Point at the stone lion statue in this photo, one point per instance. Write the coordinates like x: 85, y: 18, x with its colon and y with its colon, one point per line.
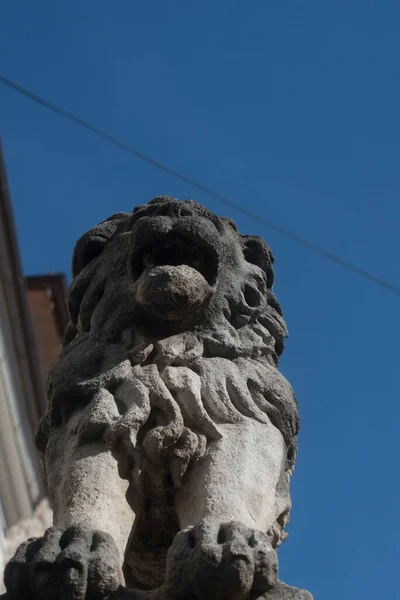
x: 170, y: 435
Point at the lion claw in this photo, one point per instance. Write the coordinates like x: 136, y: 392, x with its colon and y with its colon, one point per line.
x: 75, y: 564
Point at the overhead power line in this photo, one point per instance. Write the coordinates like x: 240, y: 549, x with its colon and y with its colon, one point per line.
x: 199, y: 186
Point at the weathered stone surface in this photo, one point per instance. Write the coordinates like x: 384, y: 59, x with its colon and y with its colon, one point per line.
x: 41, y: 520
x: 168, y: 425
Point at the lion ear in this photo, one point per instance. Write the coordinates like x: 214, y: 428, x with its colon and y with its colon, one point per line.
x: 92, y: 243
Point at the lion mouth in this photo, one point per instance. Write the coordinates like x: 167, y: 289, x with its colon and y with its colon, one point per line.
x: 175, y: 250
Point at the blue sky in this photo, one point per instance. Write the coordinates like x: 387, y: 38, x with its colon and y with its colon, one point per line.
x: 291, y: 109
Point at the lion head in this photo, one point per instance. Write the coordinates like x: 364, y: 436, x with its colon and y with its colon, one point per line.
x: 174, y: 266
x: 172, y: 313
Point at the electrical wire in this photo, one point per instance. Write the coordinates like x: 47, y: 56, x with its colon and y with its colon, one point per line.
x: 202, y: 188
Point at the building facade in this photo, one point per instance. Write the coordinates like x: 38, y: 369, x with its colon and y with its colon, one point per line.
x: 49, y: 316
x: 21, y: 391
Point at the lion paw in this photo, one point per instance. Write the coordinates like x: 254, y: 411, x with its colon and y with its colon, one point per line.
x: 213, y: 561
x: 76, y: 564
